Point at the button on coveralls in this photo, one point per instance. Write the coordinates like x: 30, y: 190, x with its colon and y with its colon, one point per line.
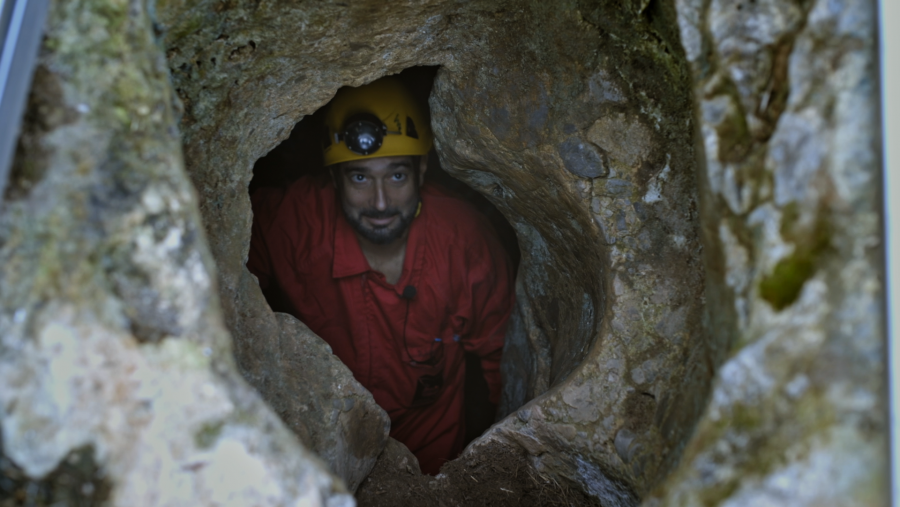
x: 303, y: 247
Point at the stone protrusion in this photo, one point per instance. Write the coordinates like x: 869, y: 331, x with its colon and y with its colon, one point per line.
x: 789, y: 114
x: 117, y: 383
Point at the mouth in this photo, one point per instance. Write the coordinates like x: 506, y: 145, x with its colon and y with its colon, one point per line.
x: 381, y: 222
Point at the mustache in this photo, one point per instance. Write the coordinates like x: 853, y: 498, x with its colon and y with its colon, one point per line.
x: 374, y: 213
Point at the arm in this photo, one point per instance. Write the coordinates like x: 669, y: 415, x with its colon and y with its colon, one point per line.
x: 491, y: 289
x: 265, y: 203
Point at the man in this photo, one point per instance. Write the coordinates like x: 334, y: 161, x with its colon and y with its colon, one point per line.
x: 400, y: 278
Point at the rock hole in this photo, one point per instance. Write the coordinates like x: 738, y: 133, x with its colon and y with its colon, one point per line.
x: 584, y: 144
x: 301, y: 155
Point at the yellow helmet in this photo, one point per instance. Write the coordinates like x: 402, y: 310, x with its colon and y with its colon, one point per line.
x: 379, y: 119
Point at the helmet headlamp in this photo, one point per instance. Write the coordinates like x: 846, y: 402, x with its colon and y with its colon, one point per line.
x: 364, y: 133
x: 380, y: 119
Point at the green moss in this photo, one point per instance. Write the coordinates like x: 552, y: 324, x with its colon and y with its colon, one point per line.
x: 790, y: 215
x: 122, y: 115
x: 745, y: 419
x: 717, y: 494
x: 52, y: 44
x: 776, y: 434
x: 783, y: 286
x: 116, y: 11
x: 741, y: 419
x: 734, y: 134
x: 208, y: 434
x: 186, y: 27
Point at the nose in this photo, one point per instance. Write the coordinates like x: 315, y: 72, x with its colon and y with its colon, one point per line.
x: 381, y: 201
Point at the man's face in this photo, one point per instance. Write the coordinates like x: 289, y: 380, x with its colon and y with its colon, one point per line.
x: 380, y: 196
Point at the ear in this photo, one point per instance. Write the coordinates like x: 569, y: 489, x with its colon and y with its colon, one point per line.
x: 423, y: 166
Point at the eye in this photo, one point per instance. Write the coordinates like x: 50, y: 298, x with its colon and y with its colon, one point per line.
x: 399, y: 176
x: 357, y: 178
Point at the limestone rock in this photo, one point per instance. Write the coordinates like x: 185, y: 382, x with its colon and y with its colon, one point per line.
x: 789, y: 108
x: 615, y: 137
x: 115, y: 366
x: 574, y: 118
x: 396, y: 456
x: 610, y: 266
x: 309, y: 388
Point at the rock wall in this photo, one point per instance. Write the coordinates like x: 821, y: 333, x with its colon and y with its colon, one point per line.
x: 581, y: 134
x: 787, y: 97
x: 117, y: 381
x: 573, y: 118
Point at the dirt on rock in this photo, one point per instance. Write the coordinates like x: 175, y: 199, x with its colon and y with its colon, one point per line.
x: 498, y: 475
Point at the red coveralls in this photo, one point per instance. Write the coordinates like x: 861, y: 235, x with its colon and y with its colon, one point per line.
x: 464, y: 295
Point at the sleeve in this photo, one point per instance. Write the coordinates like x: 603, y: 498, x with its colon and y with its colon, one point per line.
x: 264, y: 202
x: 491, y: 291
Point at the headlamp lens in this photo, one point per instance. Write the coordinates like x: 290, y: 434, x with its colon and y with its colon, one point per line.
x: 364, y: 134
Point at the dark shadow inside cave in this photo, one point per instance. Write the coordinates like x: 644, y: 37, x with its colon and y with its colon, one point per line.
x: 300, y: 155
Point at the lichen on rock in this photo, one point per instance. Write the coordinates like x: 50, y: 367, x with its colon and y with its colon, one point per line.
x: 798, y: 413
x: 113, y: 352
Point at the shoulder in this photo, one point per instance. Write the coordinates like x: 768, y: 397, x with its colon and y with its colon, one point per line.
x: 309, y: 189
x: 295, y: 211
x: 450, y: 213
x: 267, y: 202
x: 463, y: 240
x: 454, y: 222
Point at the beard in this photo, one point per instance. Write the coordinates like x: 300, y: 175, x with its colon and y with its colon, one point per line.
x: 381, y: 235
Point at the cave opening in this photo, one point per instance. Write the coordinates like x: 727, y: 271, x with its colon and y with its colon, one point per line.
x: 584, y: 144
x: 300, y: 155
